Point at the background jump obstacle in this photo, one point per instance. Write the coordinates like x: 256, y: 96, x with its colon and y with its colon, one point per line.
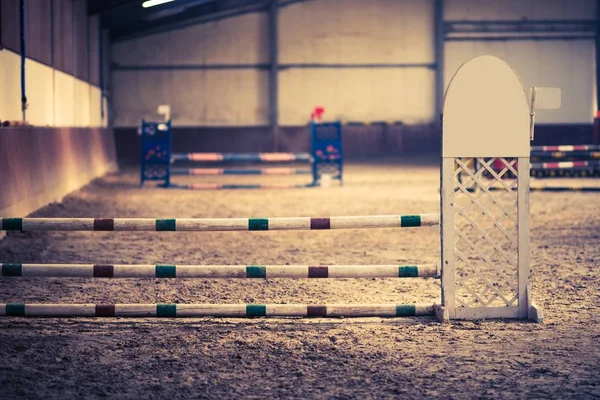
x: 157, y: 159
x: 484, y: 236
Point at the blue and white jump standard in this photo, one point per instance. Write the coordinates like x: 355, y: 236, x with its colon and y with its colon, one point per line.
x: 157, y: 159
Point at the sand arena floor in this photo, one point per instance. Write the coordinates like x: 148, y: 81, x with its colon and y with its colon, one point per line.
x: 283, y: 358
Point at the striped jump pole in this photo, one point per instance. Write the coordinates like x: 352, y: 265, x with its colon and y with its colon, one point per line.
x: 563, y: 154
x: 567, y: 148
x: 249, y: 157
x: 217, y: 224
x: 241, y: 186
x: 567, y: 165
x: 240, y: 171
x: 215, y: 310
x: 573, y: 188
x: 590, y: 189
x: 218, y: 271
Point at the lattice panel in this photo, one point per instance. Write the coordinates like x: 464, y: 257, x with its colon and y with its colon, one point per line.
x: 155, y: 172
x: 332, y: 169
x: 486, y: 240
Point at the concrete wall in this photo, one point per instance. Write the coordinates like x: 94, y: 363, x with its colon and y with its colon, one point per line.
x: 42, y: 165
x: 325, y: 49
x: 352, y: 32
x: 568, y: 64
x: 316, y: 32
x: 67, y: 144
x: 167, y: 68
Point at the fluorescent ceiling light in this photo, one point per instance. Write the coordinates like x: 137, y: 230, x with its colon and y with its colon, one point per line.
x: 152, y: 3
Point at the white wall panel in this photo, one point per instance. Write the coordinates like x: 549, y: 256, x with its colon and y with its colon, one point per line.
x: 197, y: 98
x: 240, y: 40
x: 357, y: 95
x: 565, y: 64
x: 518, y: 9
x: 64, y: 99
x: 82, y: 103
x: 95, y: 102
x: 357, y: 31
x: 10, y: 82
x: 40, y: 93
x: 53, y: 97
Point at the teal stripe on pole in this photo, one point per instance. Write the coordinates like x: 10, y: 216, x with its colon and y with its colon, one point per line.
x: 256, y: 271
x: 410, y: 220
x: 12, y: 224
x: 406, y: 310
x: 256, y: 310
x: 15, y: 310
x: 408, y: 271
x: 166, y: 310
x: 166, y: 271
x: 166, y: 224
x: 258, y: 224
x: 9, y: 269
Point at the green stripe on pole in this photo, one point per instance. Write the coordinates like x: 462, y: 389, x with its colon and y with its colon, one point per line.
x: 407, y: 221
x: 12, y: 224
x: 408, y: 271
x: 166, y: 271
x: 166, y: 310
x: 406, y: 310
x: 258, y: 224
x: 166, y: 224
x: 256, y: 310
x: 9, y: 269
x: 15, y: 310
x: 256, y: 271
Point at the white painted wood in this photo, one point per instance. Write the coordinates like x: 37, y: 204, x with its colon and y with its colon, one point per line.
x: 441, y: 314
x: 535, y: 313
x: 483, y: 91
x: 486, y: 312
x: 58, y: 224
x: 10, y: 78
x: 286, y: 310
x: 208, y: 310
x: 135, y: 310
x: 63, y: 271
x: 447, y: 237
x: 523, y: 233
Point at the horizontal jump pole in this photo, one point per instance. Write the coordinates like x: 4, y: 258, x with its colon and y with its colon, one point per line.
x: 240, y: 171
x: 241, y: 186
x: 554, y: 189
x: 215, y: 310
x: 217, y: 224
x: 567, y: 165
x: 563, y: 154
x: 569, y: 148
x: 565, y: 189
x: 253, y: 157
x: 218, y: 271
